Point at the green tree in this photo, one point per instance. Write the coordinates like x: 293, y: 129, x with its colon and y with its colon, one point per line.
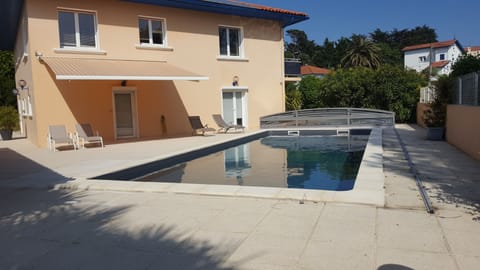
x: 300, y: 46
x: 465, y: 64
x: 7, y: 79
x: 387, y: 88
x: 325, y: 55
x: 345, y: 88
x: 362, y: 53
x: 308, y: 88
x: 396, y: 89
x: 293, y: 97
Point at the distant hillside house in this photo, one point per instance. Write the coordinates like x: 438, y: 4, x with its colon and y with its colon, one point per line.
x: 441, y: 55
x: 474, y: 50
x: 318, y: 72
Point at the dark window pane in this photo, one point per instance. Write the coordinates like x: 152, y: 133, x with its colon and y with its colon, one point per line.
x: 157, y: 32
x: 86, y: 23
x: 66, y: 26
x: 234, y: 36
x: 222, y: 33
x: 143, y: 30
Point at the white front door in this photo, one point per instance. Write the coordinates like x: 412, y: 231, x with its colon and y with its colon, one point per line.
x: 234, y: 109
x: 125, y: 111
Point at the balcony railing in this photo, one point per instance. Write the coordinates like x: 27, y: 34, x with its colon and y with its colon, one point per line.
x: 293, y: 67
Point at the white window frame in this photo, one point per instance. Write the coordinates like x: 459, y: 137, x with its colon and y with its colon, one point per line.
x: 77, y: 30
x: 25, y: 106
x: 422, y: 59
x: 240, y: 47
x: 150, y: 44
x: 244, y: 91
x: 440, y: 56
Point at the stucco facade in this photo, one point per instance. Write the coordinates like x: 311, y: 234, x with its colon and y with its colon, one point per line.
x: 160, y: 108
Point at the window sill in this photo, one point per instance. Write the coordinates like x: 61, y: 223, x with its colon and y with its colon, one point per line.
x: 80, y: 51
x: 232, y: 58
x: 153, y: 47
x: 234, y: 88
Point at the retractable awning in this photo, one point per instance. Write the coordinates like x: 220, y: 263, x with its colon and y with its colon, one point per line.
x: 107, y: 69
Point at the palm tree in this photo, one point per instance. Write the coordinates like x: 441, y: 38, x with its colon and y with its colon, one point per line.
x: 362, y: 53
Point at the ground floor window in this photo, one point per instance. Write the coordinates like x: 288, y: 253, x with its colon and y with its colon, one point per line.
x: 124, y: 101
x: 234, y: 106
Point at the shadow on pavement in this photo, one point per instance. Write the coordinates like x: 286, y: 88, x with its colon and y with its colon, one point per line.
x: 393, y: 267
x: 452, y: 176
x: 20, y: 171
x: 59, y: 230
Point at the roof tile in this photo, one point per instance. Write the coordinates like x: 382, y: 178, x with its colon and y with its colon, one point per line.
x: 440, y: 64
x: 312, y: 70
x: 440, y: 44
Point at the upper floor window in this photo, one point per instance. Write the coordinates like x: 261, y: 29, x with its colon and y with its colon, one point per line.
x: 230, y: 41
x: 442, y: 56
x: 422, y: 59
x: 152, y: 31
x: 77, y: 29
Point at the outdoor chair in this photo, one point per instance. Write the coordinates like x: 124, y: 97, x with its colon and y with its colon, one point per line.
x: 84, y: 134
x: 57, y: 134
x: 224, y: 125
x: 197, y: 125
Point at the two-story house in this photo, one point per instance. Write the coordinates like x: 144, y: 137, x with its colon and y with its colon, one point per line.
x: 440, y: 56
x: 136, y: 69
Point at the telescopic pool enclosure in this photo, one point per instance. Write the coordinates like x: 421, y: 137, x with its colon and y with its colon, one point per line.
x: 328, y: 117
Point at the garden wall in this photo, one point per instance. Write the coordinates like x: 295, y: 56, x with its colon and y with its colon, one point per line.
x: 463, y: 128
x: 421, y: 108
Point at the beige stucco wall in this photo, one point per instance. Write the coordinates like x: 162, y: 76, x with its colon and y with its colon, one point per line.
x: 463, y: 128
x: 193, y: 39
x: 421, y: 108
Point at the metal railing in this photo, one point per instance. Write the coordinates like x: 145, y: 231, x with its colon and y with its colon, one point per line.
x: 329, y: 117
x: 467, y: 90
x: 293, y: 67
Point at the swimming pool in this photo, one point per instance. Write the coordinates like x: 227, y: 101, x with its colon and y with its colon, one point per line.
x: 314, y: 160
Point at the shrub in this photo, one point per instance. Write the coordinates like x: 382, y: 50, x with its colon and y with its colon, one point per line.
x: 8, y: 118
x: 388, y: 88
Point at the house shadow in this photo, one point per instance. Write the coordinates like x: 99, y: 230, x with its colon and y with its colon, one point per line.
x: 57, y: 229
x: 18, y: 171
x: 44, y: 228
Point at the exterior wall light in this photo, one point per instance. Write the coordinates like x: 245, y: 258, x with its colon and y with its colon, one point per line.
x: 23, y: 86
x: 235, y: 81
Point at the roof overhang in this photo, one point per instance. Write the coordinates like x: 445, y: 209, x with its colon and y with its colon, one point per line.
x: 232, y: 7
x: 111, y: 69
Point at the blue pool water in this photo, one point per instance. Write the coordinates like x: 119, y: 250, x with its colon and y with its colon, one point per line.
x: 308, y: 162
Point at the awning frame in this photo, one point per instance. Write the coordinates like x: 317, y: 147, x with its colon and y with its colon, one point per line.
x: 115, y: 69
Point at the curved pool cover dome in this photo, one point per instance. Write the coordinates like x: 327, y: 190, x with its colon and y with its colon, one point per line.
x: 11, y: 11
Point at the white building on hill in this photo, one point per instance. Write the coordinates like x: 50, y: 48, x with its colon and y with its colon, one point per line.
x: 440, y: 55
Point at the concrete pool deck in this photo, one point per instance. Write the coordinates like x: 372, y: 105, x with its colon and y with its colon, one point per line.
x: 119, y: 229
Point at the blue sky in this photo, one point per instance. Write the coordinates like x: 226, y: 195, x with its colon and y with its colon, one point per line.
x: 333, y: 19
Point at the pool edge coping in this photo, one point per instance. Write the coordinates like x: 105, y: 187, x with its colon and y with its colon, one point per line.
x: 369, y: 185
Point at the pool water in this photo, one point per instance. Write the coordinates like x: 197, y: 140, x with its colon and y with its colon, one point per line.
x: 308, y: 162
